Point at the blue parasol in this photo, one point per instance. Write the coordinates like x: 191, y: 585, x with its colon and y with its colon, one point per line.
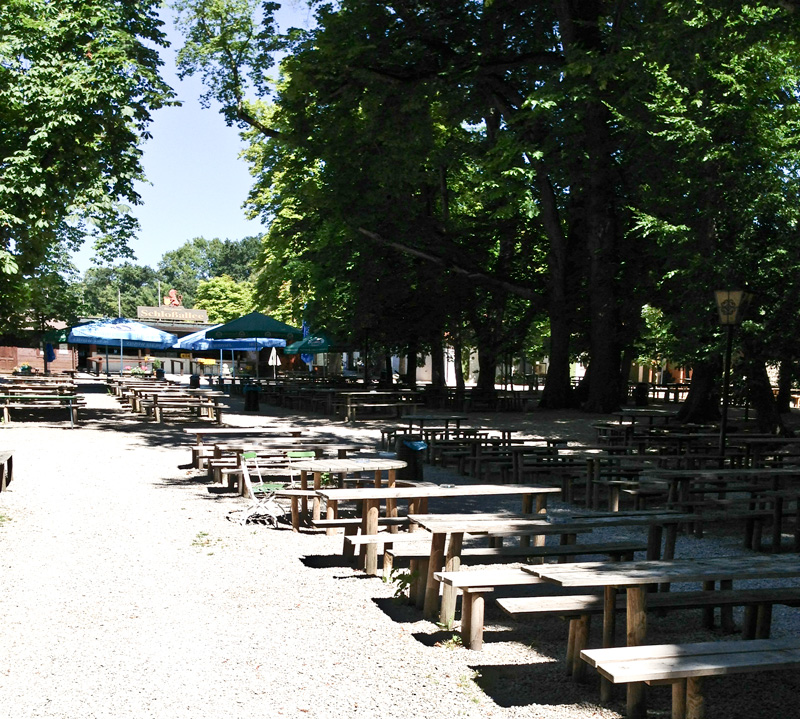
x: 199, y: 341
x: 122, y: 331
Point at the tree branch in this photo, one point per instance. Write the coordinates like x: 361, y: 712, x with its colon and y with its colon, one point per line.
x: 486, y: 279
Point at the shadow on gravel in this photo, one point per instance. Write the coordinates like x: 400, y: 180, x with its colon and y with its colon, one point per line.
x: 436, y: 639
x: 325, y: 561
x: 510, y: 685
x: 397, y: 609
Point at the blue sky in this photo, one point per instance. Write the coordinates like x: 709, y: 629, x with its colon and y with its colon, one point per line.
x: 197, y: 183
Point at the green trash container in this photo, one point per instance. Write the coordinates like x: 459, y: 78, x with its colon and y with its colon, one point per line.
x: 410, y: 449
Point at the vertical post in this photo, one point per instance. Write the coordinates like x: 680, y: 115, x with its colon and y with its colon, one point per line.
x: 723, y: 426
x: 366, y: 356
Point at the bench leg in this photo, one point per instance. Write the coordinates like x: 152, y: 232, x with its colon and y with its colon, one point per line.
x: 472, y: 609
x: 422, y: 576
x: 679, y: 699
x: 580, y: 640
x: 330, y: 513
x: 370, y: 524
x: 388, y: 565
x: 349, y: 549
x: 435, y: 563
x: 708, y: 612
x: 695, y: 705
x: 763, y: 621
x: 295, y: 514
x: 750, y: 621
x: 452, y: 564
x: 726, y: 613
x: 636, y: 632
x: 609, y: 639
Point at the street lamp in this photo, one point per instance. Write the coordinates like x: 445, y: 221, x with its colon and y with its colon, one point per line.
x: 730, y: 305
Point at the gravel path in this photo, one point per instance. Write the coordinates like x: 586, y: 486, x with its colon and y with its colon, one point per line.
x: 126, y: 592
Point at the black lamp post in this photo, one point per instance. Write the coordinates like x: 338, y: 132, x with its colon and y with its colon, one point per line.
x: 731, y: 305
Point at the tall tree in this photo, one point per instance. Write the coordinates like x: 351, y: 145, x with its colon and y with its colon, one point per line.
x: 224, y: 299
x: 78, y: 82
x: 109, y: 290
x: 199, y: 259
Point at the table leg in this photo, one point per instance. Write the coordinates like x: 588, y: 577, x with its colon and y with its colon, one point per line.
x: 370, y: 524
x: 316, y: 509
x: 304, y: 500
x: 654, y: 535
x: 452, y: 564
x: 609, y: 631
x: 434, y: 565
x: 391, y: 504
x: 472, y: 606
x: 636, y: 632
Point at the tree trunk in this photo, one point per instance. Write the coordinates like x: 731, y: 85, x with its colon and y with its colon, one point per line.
x: 458, y: 350
x: 593, y: 186
x: 625, y: 373
x: 411, y: 366
x: 487, y: 370
x: 702, y: 402
x: 388, y: 371
x: 557, y: 392
x: 786, y: 375
x: 437, y: 364
x: 760, y: 395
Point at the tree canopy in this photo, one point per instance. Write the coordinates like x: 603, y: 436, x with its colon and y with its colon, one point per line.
x: 78, y: 83
x: 496, y: 164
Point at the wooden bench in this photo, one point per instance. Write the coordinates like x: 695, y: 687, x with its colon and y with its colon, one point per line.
x: 579, y: 609
x: 473, y: 585
x: 684, y: 665
x: 39, y: 401
x: 200, y: 405
x: 350, y: 411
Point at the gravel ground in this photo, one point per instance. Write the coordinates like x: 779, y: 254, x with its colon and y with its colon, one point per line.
x: 126, y: 592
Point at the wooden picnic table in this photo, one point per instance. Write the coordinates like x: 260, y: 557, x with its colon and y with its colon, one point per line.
x: 397, y: 399
x: 41, y: 401
x: 525, y: 526
x: 342, y: 468
x: 201, y: 432
x: 681, y: 479
x: 446, y: 419
x: 417, y: 496
x: 648, y: 415
x: 635, y: 577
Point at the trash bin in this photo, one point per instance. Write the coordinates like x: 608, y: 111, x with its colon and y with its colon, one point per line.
x: 159, y: 374
x: 410, y: 449
x: 640, y: 392
x: 194, y: 381
x: 251, y: 398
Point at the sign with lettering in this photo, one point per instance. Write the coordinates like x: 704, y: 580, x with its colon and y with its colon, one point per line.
x: 180, y: 314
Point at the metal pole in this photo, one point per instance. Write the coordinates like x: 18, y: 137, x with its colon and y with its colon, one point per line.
x: 723, y: 426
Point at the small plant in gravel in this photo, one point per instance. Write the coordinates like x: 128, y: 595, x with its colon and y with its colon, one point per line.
x: 453, y: 643
x: 402, y: 579
x: 4, y: 518
x: 204, y: 541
